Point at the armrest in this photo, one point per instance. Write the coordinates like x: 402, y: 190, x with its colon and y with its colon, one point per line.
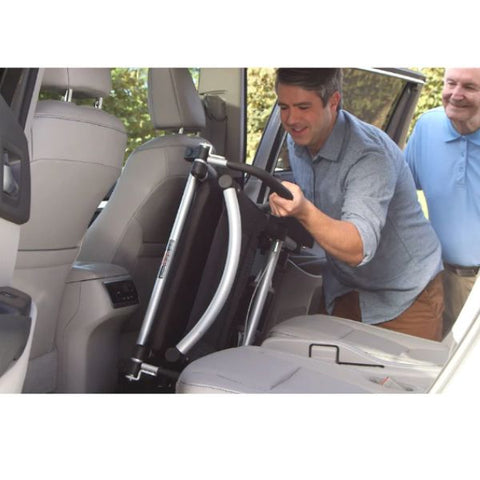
x: 14, y: 332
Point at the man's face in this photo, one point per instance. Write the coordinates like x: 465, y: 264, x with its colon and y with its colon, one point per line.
x: 304, y: 117
x: 461, y: 98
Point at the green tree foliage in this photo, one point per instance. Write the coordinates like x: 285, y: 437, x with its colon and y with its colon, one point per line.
x: 128, y: 102
x: 431, y: 95
x: 260, y: 100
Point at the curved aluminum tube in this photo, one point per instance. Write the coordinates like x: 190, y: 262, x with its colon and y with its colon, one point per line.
x: 180, y: 219
x: 263, y: 292
x: 229, y: 273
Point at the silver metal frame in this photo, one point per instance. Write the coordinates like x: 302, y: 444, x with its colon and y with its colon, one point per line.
x: 226, y: 282
x: 228, y: 276
x: 263, y: 289
x: 168, y: 256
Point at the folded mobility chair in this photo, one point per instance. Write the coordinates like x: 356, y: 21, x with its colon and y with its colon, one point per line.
x: 321, y: 353
x: 202, y: 298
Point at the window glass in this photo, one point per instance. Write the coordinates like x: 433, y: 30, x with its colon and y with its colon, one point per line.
x: 128, y: 102
x: 370, y: 96
x: 260, y: 101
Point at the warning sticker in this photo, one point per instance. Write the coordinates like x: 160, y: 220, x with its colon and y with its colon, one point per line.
x: 166, y: 258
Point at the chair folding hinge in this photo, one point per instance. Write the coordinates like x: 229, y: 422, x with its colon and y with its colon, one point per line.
x: 145, y: 368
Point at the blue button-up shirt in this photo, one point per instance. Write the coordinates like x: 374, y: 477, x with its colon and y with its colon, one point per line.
x: 360, y: 176
x: 446, y: 166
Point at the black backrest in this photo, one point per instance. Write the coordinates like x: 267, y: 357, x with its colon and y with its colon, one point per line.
x: 186, y: 268
x: 221, y: 333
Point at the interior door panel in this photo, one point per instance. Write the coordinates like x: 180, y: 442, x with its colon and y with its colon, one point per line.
x: 17, y: 315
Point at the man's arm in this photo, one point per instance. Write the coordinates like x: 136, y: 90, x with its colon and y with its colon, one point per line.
x: 410, y: 156
x: 339, y: 238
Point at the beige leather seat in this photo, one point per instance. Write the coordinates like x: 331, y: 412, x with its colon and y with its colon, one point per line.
x: 322, y: 336
x: 253, y: 369
x: 77, y: 154
x: 298, y: 358
x: 134, y: 227
x: 320, y: 354
x: 315, y: 335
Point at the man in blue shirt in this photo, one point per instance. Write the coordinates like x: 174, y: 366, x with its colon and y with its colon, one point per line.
x: 444, y: 155
x: 355, y: 194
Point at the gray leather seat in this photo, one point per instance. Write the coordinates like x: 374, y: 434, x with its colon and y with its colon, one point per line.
x: 77, y: 154
x: 298, y: 357
x: 357, y: 342
x: 317, y: 335
x: 134, y: 227
x: 261, y: 370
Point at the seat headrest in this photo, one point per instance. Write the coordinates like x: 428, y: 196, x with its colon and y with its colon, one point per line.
x: 173, y: 101
x: 85, y: 82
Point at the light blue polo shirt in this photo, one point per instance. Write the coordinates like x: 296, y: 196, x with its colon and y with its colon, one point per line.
x: 446, y: 166
x: 360, y: 175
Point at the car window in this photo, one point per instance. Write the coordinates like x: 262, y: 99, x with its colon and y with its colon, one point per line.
x: 370, y: 96
x: 261, y: 99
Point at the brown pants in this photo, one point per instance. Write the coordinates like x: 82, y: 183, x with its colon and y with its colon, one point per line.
x: 422, y: 319
x: 456, y: 289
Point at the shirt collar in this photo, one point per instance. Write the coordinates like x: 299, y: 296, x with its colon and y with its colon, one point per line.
x: 451, y: 134
x: 332, y: 147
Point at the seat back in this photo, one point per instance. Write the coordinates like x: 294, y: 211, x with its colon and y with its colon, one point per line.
x: 77, y: 155
x: 133, y: 228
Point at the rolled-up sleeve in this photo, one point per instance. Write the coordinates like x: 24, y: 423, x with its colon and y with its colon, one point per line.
x: 369, y: 187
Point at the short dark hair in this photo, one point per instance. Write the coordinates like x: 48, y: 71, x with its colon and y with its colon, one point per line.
x: 324, y: 81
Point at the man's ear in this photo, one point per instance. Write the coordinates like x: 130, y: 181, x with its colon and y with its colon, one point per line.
x: 334, y: 101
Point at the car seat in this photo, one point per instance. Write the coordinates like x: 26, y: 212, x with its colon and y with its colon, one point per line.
x: 319, y: 353
x: 77, y: 154
x: 133, y: 228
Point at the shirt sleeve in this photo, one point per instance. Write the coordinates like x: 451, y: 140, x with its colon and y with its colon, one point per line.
x: 410, y: 156
x: 369, y: 188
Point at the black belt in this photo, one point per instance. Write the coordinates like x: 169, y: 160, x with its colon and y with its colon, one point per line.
x: 462, y: 271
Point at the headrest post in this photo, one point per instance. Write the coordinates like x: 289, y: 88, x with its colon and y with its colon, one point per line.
x: 99, y: 103
x: 68, y: 95
x: 79, y: 82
